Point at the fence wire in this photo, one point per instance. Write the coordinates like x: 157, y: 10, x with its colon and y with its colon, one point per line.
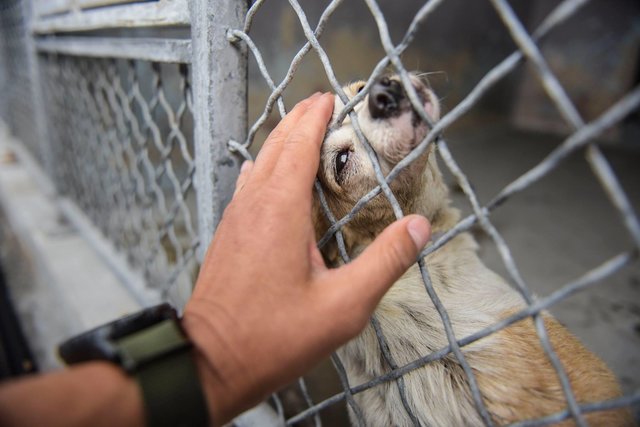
x: 581, y: 138
x: 120, y: 135
x: 123, y: 153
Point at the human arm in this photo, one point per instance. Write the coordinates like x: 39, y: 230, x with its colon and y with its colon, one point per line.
x: 92, y: 394
x: 265, y: 308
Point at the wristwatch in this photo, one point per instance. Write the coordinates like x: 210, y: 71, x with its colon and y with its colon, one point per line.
x: 152, y: 347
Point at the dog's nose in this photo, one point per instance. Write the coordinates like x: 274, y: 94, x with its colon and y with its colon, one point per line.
x: 384, y: 98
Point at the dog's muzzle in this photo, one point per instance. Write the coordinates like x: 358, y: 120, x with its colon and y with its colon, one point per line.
x: 384, y: 98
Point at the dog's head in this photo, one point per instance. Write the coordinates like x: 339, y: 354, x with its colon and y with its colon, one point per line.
x: 393, y: 129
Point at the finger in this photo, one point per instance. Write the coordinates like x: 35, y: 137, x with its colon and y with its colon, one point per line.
x: 370, y: 275
x: 300, y: 155
x: 270, y: 151
x: 245, y: 171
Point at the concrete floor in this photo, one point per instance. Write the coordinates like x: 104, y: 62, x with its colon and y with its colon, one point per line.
x: 557, y: 229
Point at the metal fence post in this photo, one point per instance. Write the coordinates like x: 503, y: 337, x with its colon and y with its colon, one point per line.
x: 45, y: 151
x: 220, y: 107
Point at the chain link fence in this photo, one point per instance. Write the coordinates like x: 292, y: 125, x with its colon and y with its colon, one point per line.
x: 123, y: 145
x: 143, y: 136
x: 581, y: 139
x: 101, y: 94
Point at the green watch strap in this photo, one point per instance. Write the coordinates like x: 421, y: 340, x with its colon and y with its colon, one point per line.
x: 161, y: 359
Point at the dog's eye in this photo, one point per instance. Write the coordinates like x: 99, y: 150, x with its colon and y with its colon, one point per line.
x: 360, y: 88
x: 341, y: 161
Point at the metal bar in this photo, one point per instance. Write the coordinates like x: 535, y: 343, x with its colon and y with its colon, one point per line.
x: 219, y: 71
x: 149, y: 14
x: 148, y: 49
x: 35, y: 76
x: 86, y: 4
x: 51, y: 7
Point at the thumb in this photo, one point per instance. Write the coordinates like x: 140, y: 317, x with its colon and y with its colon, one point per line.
x: 371, y: 274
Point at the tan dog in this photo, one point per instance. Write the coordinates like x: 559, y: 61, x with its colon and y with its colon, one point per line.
x: 514, y: 374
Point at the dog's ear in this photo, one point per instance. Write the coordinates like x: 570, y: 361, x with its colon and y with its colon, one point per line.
x: 434, y: 109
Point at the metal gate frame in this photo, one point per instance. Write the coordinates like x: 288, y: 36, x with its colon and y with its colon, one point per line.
x: 219, y: 90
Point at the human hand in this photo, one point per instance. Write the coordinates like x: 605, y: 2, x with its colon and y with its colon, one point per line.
x: 265, y: 308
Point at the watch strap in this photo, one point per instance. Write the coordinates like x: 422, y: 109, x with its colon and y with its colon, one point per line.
x: 161, y: 360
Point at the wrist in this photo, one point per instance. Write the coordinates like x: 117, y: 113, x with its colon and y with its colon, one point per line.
x: 151, y: 348
x: 210, y: 388
x: 224, y: 378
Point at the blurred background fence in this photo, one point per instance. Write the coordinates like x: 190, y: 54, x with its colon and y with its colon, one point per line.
x: 101, y: 93
x: 128, y: 108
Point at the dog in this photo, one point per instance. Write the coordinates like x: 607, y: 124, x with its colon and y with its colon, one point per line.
x: 514, y: 374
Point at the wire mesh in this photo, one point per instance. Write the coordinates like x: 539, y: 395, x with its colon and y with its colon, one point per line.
x: 123, y: 151
x: 581, y: 138
x: 120, y: 133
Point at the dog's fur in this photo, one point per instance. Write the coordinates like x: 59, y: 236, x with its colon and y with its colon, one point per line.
x: 515, y: 376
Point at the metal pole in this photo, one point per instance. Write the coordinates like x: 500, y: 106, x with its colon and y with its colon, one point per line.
x: 219, y: 73
x: 35, y: 75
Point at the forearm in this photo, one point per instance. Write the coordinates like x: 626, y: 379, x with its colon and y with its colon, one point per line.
x: 96, y: 394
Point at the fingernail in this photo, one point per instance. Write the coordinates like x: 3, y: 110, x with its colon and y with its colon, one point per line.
x: 315, y: 95
x: 246, y: 165
x: 419, y: 230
